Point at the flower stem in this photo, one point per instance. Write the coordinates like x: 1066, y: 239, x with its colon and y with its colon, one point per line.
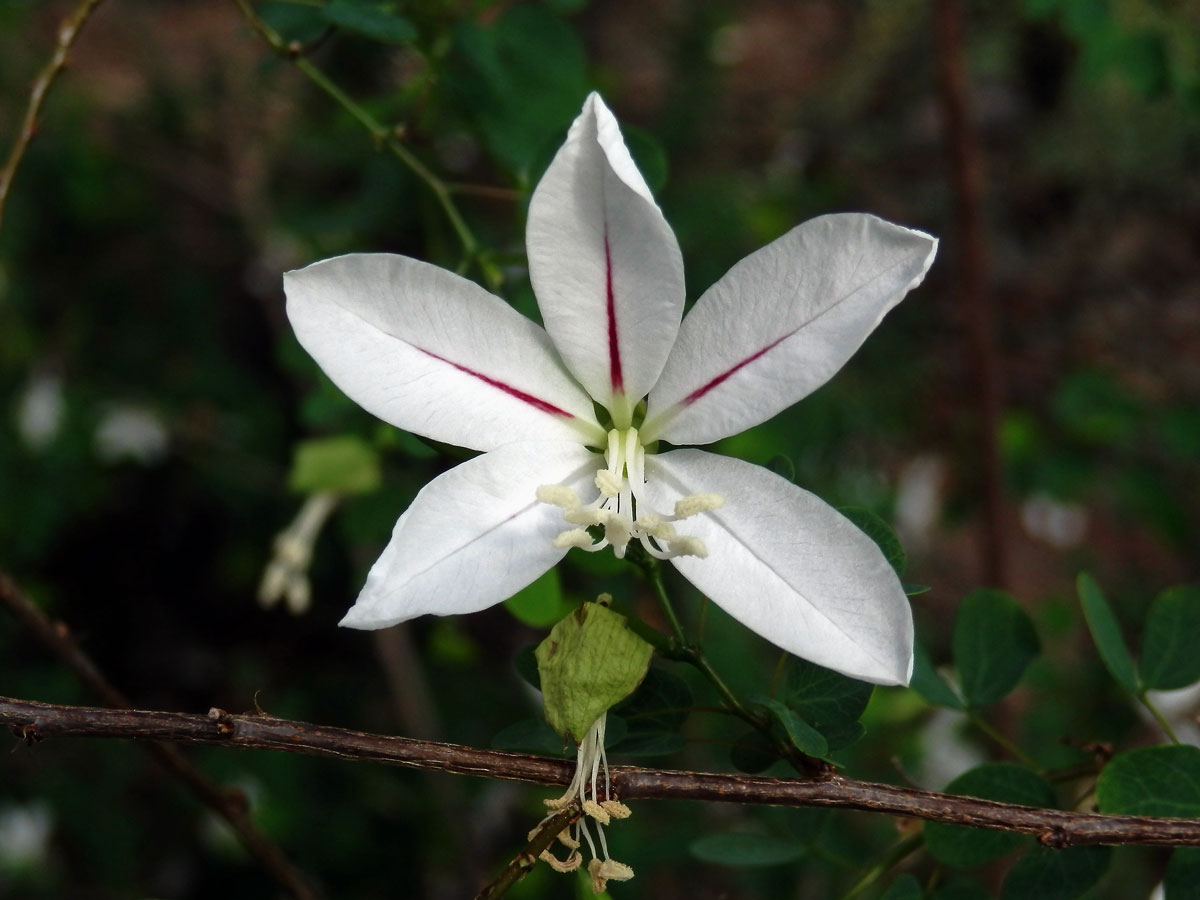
x: 1158, y: 717
x: 683, y: 650
x: 382, y: 135
x: 895, y: 855
x: 1012, y: 749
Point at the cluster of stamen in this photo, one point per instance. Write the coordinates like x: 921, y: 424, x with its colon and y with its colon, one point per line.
x: 621, y: 510
x: 585, y: 790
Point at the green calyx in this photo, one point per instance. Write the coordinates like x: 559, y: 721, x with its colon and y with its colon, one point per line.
x: 590, y: 662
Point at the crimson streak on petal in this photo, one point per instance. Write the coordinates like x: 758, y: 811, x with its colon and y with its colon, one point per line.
x: 533, y: 401
x: 614, y: 349
x: 701, y: 391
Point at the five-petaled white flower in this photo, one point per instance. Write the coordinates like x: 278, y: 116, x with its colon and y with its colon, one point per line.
x: 569, y: 416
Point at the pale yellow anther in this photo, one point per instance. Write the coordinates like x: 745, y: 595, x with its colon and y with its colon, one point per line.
x: 564, y: 838
x: 576, y: 537
x: 609, y: 483
x: 689, y: 546
x: 554, y: 803
x: 599, y: 882
x: 615, y: 871
x: 582, y: 516
x: 697, y: 503
x: 649, y: 523
x: 596, y: 811
x: 603, y: 872
x: 570, y: 864
x: 558, y: 495
x: 617, y: 809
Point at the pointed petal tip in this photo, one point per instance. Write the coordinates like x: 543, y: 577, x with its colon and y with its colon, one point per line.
x: 357, y: 618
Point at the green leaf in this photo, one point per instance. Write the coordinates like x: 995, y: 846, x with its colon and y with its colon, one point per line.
x: 782, y: 466
x: 590, y: 662
x: 661, y: 702
x: 1056, y: 874
x: 906, y: 887
x: 529, y: 736
x: 303, y: 24
x: 526, y: 665
x: 1106, y: 633
x: 647, y: 743
x: 752, y: 753
x: 345, y: 463
x: 881, y: 533
x: 738, y: 848
x: 648, y: 155
x: 929, y: 684
x: 829, y: 701
x: 1152, y: 781
x: 963, y: 847
x: 994, y: 641
x: 375, y: 22
x: 520, y: 80
x: 959, y: 889
x: 803, y: 736
x: 1182, y: 878
x: 541, y: 603
x: 1169, y: 643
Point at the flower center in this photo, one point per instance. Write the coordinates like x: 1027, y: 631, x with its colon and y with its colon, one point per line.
x: 621, y: 512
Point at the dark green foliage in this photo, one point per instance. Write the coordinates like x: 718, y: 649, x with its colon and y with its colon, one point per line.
x: 962, y: 847
x: 744, y: 849
x: 994, y: 641
x: 519, y: 80
x: 827, y: 700
x: 929, y: 684
x: 881, y: 533
x: 1182, y: 879
x: 1056, y: 874
x: 179, y: 166
x: 377, y: 22
x: 1152, y: 781
x: 1170, y: 643
x: 1106, y: 632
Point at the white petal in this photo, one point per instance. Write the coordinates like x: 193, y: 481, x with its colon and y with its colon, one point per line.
x: 473, y: 536
x: 788, y: 566
x: 435, y: 354
x: 781, y: 322
x: 604, y: 263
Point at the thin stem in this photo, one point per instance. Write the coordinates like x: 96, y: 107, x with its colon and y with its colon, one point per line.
x: 777, y: 675
x: 541, y: 840
x: 68, y: 31
x: 1158, y: 717
x: 653, y: 571
x: 382, y: 135
x: 892, y: 858
x: 1012, y: 749
x: 684, y: 650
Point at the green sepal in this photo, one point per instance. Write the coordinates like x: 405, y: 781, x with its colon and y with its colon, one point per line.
x: 590, y: 662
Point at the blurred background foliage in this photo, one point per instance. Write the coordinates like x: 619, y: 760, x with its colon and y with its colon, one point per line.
x: 153, y: 401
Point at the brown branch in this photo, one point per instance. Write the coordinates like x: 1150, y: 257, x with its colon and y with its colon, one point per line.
x: 229, y: 804
x: 1055, y: 828
x: 966, y: 167
x: 67, y: 32
x: 543, y: 836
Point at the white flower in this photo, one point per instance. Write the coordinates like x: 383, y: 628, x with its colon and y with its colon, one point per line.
x: 560, y: 417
